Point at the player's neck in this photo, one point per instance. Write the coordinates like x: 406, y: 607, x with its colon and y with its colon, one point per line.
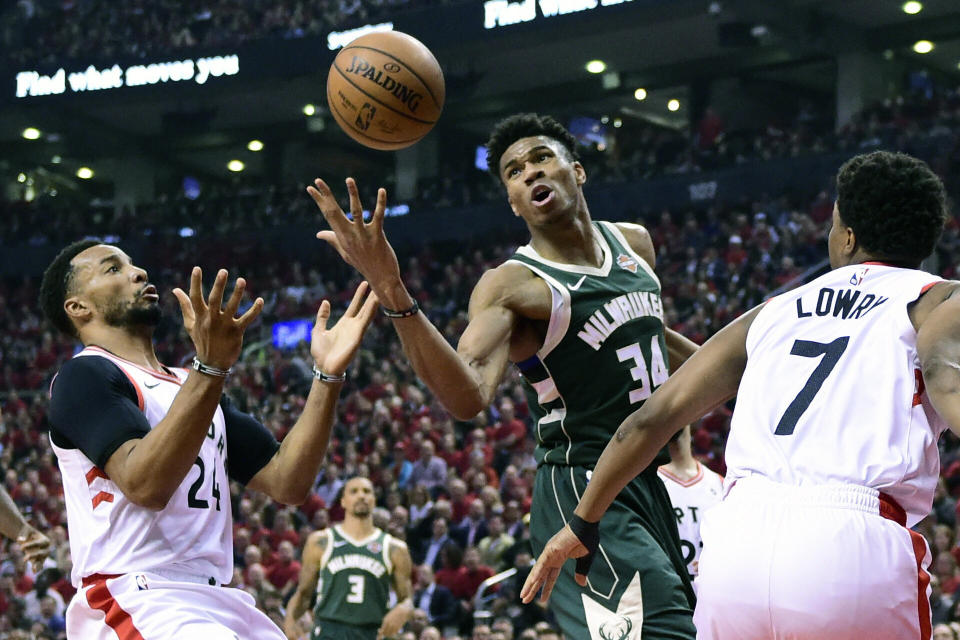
x: 684, y: 467
x: 574, y: 242
x: 135, y: 346
x: 358, y: 528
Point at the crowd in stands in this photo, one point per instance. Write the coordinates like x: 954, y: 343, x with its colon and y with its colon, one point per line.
x: 924, y: 124
x: 457, y: 492
x: 35, y: 32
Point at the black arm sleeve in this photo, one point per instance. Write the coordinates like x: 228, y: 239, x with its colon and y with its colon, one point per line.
x: 93, y: 407
x: 250, y: 445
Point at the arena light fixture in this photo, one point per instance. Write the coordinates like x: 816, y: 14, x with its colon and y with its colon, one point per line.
x: 309, y: 109
x: 30, y: 133
x: 596, y: 66
x: 640, y: 94
x: 923, y: 46
x: 912, y: 7
x: 235, y: 166
x: 56, y: 159
x: 673, y: 105
x: 617, y: 123
x: 255, y: 145
x: 21, y: 177
x: 84, y: 173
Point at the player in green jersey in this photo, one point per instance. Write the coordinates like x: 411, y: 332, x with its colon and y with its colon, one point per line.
x: 350, y: 568
x: 578, y: 311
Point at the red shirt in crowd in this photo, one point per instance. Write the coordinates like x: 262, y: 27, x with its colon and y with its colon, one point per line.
x: 281, y: 573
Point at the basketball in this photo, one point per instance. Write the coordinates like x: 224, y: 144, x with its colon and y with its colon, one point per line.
x: 385, y: 90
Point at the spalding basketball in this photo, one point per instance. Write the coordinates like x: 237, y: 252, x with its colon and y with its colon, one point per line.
x: 385, y: 90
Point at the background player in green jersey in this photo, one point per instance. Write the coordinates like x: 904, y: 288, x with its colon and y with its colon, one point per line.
x: 578, y: 310
x: 350, y: 568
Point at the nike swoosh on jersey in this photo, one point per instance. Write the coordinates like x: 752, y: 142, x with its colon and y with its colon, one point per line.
x: 574, y: 287
x: 339, y: 543
x: 151, y: 386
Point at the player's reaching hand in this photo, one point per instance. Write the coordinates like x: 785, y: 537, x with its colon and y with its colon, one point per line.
x: 363, y: 245
x: 562, y: 546
x: 333, y: 349
x: 35, y: 546
x: 392, y: 623
x: 215, y: 329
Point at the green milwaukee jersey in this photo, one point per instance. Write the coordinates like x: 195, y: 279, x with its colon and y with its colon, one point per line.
x: 604, y: 352
x: 354, y: 583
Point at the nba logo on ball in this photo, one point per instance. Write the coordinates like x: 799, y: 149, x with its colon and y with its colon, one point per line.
x: 385, y: 90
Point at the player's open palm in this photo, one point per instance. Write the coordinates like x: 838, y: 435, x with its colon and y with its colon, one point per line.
x: 363, y: 245
x: 215, y: 329
x: 333, y: 348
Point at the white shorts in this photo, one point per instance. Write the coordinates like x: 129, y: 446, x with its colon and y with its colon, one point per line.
x: 145, y: 606
x: 783, y: 562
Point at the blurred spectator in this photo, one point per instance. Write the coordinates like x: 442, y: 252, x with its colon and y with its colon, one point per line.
x: 436, y: 600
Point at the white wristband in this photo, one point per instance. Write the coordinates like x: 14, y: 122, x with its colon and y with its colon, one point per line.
x: 208, y: 370
x: 326, y: 377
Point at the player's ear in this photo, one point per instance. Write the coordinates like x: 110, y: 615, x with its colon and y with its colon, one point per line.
x: 580, y: 173
x: 849, y: 241
x: 513, y: 207
x: 77, y: 310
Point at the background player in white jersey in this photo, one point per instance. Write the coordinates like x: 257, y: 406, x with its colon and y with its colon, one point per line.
x: 144, y: 449
x: 349, y: 569
x: 832, y: 452
x: 693, y: 489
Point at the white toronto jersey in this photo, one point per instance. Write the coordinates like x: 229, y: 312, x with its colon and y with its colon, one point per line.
x: 832, y: 391
x: 690, y: 499
x: 109, y: 534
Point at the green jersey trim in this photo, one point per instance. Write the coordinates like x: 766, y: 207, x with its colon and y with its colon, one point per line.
x: 559, y: 310
x: 604, y: 269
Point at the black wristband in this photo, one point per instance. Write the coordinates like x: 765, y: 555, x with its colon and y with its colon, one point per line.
x: 405, y: 313
x: 589, y: 535
x: 587, y: 532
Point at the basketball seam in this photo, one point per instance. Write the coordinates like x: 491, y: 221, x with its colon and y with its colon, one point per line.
x: 405, y: 65
x: 346, y: 123
x: 364, y: 92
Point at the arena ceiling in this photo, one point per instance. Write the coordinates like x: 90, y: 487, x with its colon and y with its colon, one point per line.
x: 666, y: 46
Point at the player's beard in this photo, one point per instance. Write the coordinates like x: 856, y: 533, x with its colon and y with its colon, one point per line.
x: 361, y: 510
x: 132, y: 315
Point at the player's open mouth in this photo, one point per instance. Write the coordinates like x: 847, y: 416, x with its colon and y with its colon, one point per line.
x: 541, y: 195
x: 150, y: 292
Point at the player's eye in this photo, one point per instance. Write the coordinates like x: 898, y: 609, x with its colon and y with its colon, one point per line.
x: 113, y: 268
x: 543, y: 157
x: 512, y: 172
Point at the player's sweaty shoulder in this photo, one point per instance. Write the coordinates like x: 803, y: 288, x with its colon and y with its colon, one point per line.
x: 513, y: 287
x: 639, y: 240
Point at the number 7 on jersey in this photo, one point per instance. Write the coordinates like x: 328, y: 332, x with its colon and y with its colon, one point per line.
x: 831, y: 352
